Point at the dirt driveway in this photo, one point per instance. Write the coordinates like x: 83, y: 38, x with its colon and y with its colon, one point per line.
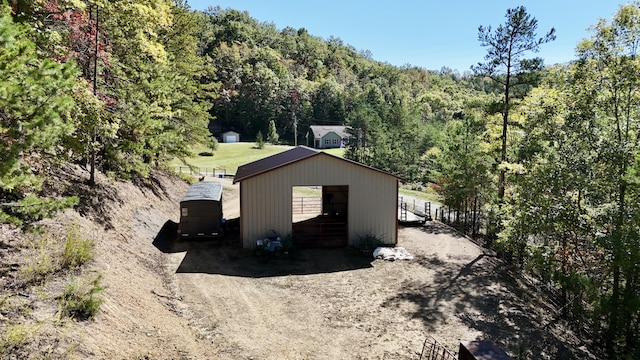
x: 341, y: 304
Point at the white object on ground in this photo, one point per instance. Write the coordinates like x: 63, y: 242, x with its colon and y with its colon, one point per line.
x: 387, y: 253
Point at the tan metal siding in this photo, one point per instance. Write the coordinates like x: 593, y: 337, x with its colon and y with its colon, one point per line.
x: 266, y: 198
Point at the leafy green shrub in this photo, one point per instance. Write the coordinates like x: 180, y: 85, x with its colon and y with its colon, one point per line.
x: 213, y: 144
x: 272, y: 135
x: 182, y: 175
x: 79, y: 300
x: 259, y: 140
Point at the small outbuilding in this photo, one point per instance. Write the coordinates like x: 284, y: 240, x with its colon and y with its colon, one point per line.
x: 356, y: 202
x: 230, y: 137
x: 201, y: 210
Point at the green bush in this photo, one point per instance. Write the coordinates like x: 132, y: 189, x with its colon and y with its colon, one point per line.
x: 51, y: 252
x: 41, y: 260
x: 259, y: 140
x: 182, y: 175
x: 33, y: 208
x: 77, y: 250
x: 368, y: 242
x: 79, y: 300
x: 213, y: 144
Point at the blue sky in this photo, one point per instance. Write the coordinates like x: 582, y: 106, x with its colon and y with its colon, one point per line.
x: 429, y: 34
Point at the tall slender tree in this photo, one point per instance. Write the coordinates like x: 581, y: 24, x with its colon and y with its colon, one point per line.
x: 608, y: 67
x: 576, y: 206
x: 505, y: 65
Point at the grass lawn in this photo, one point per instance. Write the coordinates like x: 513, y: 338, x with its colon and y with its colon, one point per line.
x: 230, y: 156
x: 428, y: 194
x: 339, y: 152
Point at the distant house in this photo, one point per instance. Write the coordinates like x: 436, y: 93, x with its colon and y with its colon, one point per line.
x: 329, y: 136
x: 230, y: 137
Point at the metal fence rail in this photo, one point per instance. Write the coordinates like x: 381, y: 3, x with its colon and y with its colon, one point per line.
x: 200, y: 170
x: 418, y: 207
x: 433, y: 350
x: 306, y: 205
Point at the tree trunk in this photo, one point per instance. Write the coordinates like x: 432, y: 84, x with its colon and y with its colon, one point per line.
x: 505, y: 123
x: 94, y: 137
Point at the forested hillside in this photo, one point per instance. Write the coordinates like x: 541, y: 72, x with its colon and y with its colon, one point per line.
x: 296, y: 79
x: 550, y: 156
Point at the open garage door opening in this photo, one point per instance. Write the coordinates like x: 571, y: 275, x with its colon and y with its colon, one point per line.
x: 320, y: 216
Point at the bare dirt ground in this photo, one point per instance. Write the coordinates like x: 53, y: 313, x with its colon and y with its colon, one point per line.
x: 169, y: 299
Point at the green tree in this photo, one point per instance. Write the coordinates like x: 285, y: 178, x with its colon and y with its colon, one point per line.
x: 463, y: 163
x: 153, y: 83
x: 259, y: 140
x: 34, y: 114
x: 609, y: 82
x: 272, y: 134
x: 213, y: 143
x: 505, y: 65
x: 34, y: 104
x: 574, y: 213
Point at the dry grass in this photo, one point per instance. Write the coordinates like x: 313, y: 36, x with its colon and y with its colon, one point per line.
x: 48, y: 253
x: 39, y: 263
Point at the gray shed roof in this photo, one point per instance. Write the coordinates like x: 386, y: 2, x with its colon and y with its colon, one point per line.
x: 285, y: 158
x: 204, y: 190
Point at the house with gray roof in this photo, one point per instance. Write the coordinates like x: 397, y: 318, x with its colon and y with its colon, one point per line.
x: 329, y: 136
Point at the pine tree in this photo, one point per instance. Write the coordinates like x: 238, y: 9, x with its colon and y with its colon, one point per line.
x: 34, y: 103
x: 272, y: 135
x: 506, y: 66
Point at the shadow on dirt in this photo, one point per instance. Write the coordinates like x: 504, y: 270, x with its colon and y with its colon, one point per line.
x: 152, y: 183
x: 483, y: 296
x: 226, y: 257
x: 436, y: 227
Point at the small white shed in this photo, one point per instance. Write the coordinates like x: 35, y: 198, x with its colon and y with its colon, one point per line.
x: 230, y: 137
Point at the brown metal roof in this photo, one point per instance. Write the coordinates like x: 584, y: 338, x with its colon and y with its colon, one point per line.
x: 285, y: 158
x: 273, y: 162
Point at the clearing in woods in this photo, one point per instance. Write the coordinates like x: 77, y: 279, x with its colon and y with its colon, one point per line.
x: 340, y: 304
x: 169, y: 299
